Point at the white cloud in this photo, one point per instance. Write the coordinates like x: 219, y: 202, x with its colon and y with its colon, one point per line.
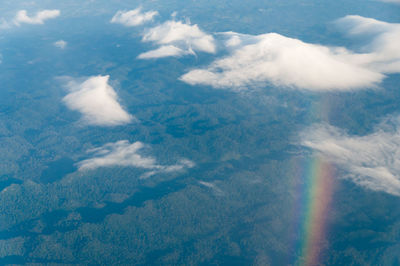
x: 176, y: 39
x: 212, y: 186
x: 382, y: 53
x: 133, y: 17
x: 372, y: 161
x: 282, y: 61
x: 97, y: 101
x: 163, y: 51
x: 60, y: 44
x: 125, y: 154
x: 40, y: 17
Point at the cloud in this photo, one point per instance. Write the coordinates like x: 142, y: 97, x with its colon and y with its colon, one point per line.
x: 382, y: 52
x: 60, y: 44
x: 133, y: 17
x: 125, y: 154
x: 40, y: 17
x: 176, y: 39
x: 97, y: 101
x: 282, y: 61
x: 212, y: 186
x: 163, y: 51
x: 372, y: 161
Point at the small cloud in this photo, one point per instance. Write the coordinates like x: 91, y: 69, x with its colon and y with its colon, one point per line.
x: 282, y: 61
x: 60, y: 44
x: 133, y: 17
x: 176, y: 39
x: 97, y: 101
x: 371, y: 161
x: 163, y: 51
x: 207, y: 184
x: 212, y: 186
x: 40, y: 17
x: 125, y: 154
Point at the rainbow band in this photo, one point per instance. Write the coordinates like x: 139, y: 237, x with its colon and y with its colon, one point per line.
x: 316, y: 197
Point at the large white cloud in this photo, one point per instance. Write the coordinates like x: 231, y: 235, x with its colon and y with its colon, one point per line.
x: 97, y: 101
x: 372, y: 161
x: 382, y: 52
x: 282, y: 61
x: 125, y: 154
x: 133, y: 17
x: 176, y: 38
x: 40, y: 17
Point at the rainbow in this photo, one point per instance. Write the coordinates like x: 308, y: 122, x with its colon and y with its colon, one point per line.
x: 313, y: 203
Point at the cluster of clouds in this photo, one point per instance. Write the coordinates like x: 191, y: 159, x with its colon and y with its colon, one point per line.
x: 372, y: 161
x: 274, y: 59
x: 125, y: 154
x: 173, y: 38
x: 176, y: 38
x: 255, y: 61
x: 97, y: 101
x: 22, y: 17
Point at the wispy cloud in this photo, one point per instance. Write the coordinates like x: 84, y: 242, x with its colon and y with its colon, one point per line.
x: 133, y: 17
x: 163, y: 51
x: 97, y: 101
x: 125, y: 154
x: 39, y: 18
x: 372, y: 161
x: 60, y: 44
x: 212, y: 186
x: 382, y: 52
x: 176, y: 38
x: 282, y: 61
